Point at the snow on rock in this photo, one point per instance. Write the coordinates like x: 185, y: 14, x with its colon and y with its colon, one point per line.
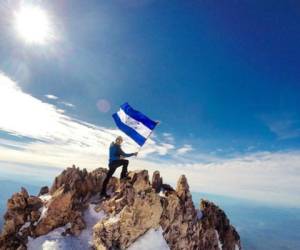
x: 219, y: 242
x: 27, y: 224
x: 43, y: 211
x: 55, y: 241
x: 45, y: 197
x: 162, y: 194
x: 52, y: 245
x: 152, y: 240
x: 127, y: 219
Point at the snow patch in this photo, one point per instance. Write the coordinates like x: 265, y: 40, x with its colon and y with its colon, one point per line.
x: 91, y: 217
x: 162, y: 194
x: 27, y: 224
x: 51, y: 245
x: 55, y: 241
x: 43, y: 210
x: 218, y: 238
x: 45, y: 197
x: 152, y: 240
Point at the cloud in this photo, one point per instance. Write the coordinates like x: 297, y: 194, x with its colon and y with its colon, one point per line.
x: 68, y: 104
x: 168, y: 137
x: 269, y: 177
x: 283, y: 126
x: 285, y: 129
x: 52, y: 97
x: 183, y: 150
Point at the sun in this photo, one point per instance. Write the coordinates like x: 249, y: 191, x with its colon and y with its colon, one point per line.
x: 33, y: 25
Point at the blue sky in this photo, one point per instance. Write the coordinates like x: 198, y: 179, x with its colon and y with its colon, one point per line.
x: 223, y: 79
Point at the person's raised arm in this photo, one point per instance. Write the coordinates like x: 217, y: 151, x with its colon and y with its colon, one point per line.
x: 124, y: 155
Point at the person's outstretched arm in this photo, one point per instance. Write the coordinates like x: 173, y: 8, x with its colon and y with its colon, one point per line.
x: 123, y: 154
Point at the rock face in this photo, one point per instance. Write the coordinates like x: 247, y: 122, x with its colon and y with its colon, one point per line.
x: 20, y: 208
x: 179, y: 220
x: 135, y: 206
x: 138, y: 209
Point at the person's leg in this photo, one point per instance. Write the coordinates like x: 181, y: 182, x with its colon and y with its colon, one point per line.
x: 112, y: 169
x: 124, y: 172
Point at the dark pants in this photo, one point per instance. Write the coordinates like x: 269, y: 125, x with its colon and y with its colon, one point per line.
x: 112, y: 168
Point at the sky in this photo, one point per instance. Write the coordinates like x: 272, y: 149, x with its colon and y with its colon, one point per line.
x: 221, y: 77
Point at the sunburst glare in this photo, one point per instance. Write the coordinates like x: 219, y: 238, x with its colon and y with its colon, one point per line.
x: 33, y: 25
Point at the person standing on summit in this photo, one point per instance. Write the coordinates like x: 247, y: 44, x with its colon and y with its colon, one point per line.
x: 116, y: 159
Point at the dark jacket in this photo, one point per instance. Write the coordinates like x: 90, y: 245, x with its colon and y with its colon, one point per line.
x: 115, y: 152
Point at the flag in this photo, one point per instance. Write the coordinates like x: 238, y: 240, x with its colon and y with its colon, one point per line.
x: 134, y: 124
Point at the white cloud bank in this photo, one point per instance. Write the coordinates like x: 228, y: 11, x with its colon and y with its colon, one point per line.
x: 58, y: 140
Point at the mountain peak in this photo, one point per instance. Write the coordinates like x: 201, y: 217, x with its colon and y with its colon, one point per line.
x: 136, y: 209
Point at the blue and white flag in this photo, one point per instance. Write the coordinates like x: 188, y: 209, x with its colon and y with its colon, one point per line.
x: 133, y: 123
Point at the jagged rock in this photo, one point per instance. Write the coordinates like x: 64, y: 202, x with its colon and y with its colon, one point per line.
x: 113, y: 185
x: 135, y: 206
x: 44, y: 190
x: 34, y: 203
x: 17, y: 201
x: 167, y: 188
x: 124, y: 196
x: 17, y: 214
x: 57, y: 212
x: 215, y: 219
x: 157, y: 181
x: 80, y: 181
x: 140, y: 180
x: 35, y: 215
x: 179, y: 218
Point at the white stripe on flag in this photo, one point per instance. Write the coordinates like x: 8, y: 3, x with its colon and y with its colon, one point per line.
x: 134, y: 124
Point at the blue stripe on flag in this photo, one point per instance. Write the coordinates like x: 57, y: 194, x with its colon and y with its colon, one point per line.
x: 129, y: 131
x: 138, y: 116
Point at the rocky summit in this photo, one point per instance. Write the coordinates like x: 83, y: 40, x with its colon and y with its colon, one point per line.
x: 140, y: 214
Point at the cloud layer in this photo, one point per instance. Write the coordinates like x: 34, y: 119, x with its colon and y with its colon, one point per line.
x: 56, y: 137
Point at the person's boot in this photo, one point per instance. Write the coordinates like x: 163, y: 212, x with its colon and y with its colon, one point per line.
x: 125, y: 177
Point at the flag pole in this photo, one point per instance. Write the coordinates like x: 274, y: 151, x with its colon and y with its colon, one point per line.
x: 157, y: 123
